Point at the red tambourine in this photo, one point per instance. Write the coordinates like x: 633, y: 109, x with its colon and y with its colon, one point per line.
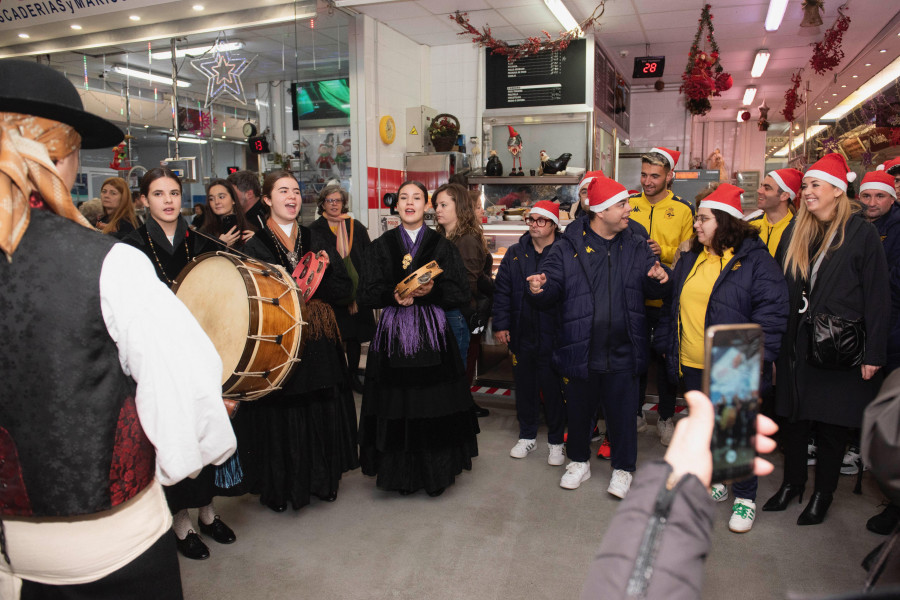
x: 309, y: 273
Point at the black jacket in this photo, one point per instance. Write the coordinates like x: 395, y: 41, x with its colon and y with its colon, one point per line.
x: 168, y: 259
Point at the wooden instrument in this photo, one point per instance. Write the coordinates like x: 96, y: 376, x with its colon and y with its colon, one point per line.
x: 417, y: 279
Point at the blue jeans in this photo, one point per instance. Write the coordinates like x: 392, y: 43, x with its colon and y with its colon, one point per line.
x: 460, y: 330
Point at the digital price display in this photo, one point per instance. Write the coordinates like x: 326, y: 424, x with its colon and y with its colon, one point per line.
x: 232, y: 170
x: 648, y: 66
x: 258, y: 144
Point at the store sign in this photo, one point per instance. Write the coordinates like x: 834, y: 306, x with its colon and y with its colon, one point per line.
x: 27, y: 13
x: 548, y: 78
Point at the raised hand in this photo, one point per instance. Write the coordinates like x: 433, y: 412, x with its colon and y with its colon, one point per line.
x: 658, y: 273
x: 536, y: 283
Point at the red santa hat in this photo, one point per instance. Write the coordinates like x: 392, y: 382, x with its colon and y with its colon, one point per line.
x: 726, y: 198
x: 671, y: 156
x: 892, y: 166
x: 546, y: 209
x: 586, y: 179
x: 833, y: 169
x: 788, y: 180
x: 878, y: 180
x: 603, y: 192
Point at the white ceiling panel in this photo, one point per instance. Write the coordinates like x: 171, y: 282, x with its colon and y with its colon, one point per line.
x: 442, y: 6
x: 386, y: 13
x: 535, y: 15
x: 613, y: 8
x: 667, y: 20
x: 620, y: 24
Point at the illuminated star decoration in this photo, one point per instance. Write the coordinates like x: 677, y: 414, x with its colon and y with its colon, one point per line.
x: 223, y: 71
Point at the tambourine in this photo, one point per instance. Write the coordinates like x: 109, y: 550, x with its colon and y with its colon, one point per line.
x: 417, y: 279
x: 309, y: 273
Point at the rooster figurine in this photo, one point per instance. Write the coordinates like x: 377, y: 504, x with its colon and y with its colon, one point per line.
x: 494, y: 167
x: 551, y: 167
x: 514, y: 145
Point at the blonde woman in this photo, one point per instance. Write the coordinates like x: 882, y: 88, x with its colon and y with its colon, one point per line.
x: 836, y: 272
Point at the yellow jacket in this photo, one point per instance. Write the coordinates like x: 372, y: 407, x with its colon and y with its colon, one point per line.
x: 669, y: 222
x: 770, y: 233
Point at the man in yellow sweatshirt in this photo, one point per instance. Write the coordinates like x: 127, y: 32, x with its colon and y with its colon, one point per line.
x: 776, y: 196
x: 669, y: 221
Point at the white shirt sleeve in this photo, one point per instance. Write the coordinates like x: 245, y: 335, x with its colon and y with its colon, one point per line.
x: 176, y: 367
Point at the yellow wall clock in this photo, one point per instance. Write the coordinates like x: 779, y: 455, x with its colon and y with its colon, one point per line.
x: 387, y: 129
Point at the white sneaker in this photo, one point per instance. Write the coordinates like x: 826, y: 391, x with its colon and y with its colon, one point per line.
x: 641, y: 424
x: 810, y: 454
x: 850, y: 465
x: 557, y: 456
x: 666, y: 429
x: 620, y: 483
x: 743, y: 513
x: 523, y: 448
x: 719, y: 492
x: 576, y: 473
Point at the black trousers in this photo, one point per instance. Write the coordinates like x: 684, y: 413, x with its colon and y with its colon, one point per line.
x: 830, y: 443
x: 154, y: 575
x: 536, y: 379
x: 665, y: 389
x: 617, y: 394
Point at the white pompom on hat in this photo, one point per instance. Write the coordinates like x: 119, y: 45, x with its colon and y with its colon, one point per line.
x: 832, y: 168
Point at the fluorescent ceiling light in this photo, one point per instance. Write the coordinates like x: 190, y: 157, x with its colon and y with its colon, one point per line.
x: 740, y: 112
x: 775, y: 14
x: 865, y: 91
x: 798, y: 140
x: 563, y: 15
x: 759, y: 63
x: 749, y: 95
x: 148, y: 76
x: 342, y: 3
x: 187, y: 140
x: 197, y: 50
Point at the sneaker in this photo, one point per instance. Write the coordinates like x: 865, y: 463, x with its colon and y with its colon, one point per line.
x: 719, y: 492
x: 666, y: 429
x: 523, y: 448
x: 576, y: 473
x: 851, y: 463
x: 620, y: 483
x: 743, y: 513
x: 596, y: 434
x: 557, y: 456
x: 641, y: 424
x: 810, y: 453
x: 604, y: 450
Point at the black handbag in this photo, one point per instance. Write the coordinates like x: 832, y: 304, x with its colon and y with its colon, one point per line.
x: 835, y: 342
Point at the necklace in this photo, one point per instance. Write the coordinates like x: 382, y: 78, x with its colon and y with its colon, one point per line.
x: 292, y: 257
x: 187, y: 256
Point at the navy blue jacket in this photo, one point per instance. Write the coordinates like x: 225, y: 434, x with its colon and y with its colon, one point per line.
x: 568, y: 289
x: 514, y: 308
x: 888, y: 227
x: 750, y: 289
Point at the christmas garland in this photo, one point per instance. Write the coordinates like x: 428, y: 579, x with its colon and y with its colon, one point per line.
x: 704, y: 75
x: 828, y: 53
x: 792, y: 99
x: 532, y: 45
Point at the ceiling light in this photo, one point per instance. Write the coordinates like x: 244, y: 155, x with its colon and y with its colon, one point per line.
x: 866, y: 90
x: 868, y: 64
x: 187, y: 140
x: 197, y: 50
x: 749, y: 95
x: 563, y: 15
x: 147, y: 76
x: 843, y: 86
x: 24, y: 36
x: 146, y: 127
x: 340, y: 3
x: 759, y: 63
x: 882, y: 51
x: 775, y: 14
x: 75, y: 27
x: 798, y: 140
x: 134, y: 18
x: 740, y: 112
x: 834, y: 94
x: 826, y: 101
x: 855, y: 76
x: 197, y: 7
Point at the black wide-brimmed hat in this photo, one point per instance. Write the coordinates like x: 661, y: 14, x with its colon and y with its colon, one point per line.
x: 31, y: 88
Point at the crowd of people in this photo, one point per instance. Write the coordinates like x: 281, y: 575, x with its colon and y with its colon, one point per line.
x: 634, y: 279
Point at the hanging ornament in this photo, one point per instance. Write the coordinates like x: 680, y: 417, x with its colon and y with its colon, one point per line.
x: 763, y: 123
x: 828, y: 53
x: 223, y: 71
x: 704, y: 75
x: 792, y: 99
x: 659, y: 85
x: 812, y: 13
x: 745, y: 116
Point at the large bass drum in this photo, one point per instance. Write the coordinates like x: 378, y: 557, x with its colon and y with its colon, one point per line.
x: 252, y: 313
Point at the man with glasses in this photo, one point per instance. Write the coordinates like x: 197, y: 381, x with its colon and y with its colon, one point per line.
x: 529, y: 331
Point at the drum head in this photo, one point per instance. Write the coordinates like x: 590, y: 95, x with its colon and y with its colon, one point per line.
x: 215, y: 293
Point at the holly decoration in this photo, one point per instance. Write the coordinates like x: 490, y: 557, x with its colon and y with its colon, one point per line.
x: 828, y: 53
x: 792, y: 99
x: 704, y: 75
x: 533, y: 44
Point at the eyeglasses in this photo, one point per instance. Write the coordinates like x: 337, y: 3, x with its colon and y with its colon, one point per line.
x: 702, y: 219
x: 334, y: 201
x: 540, y: 221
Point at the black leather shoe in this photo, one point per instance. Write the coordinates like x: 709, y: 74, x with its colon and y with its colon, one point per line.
x: 886, y: 521
x: 815, y: 511
x: 192, y: 546
x: 480, y: 411
x: 218, y: 531
x: 784, y: 495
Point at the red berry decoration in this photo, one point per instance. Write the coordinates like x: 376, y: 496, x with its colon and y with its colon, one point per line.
x: 724, y: 82
x: 704, y: 75
x: 745, y: 116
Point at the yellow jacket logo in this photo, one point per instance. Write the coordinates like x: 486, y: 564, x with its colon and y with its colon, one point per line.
x: 588, y: 249
x: 670, y: 212
x: 736, y: 266
x: 636, y: 209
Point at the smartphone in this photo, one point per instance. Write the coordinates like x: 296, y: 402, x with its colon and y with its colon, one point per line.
x: 228, y: 221
x: 731, y: 378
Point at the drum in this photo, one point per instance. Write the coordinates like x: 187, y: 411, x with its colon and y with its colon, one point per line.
x: 252, y: 313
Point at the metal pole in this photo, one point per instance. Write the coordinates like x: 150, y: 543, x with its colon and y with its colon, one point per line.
x: 805, y: 121
x: 174, y: 96
x: 127, y: 116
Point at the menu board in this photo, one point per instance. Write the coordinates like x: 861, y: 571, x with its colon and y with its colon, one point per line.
x: 548, y: 78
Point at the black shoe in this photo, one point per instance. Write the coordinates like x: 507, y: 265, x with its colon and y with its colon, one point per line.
x: 273, y: 506
x: 218, y: 531
x: 886, y: 521
x: 784, y: 495
x: 815, y: 511
x: 437, y: 492
x: 192, y: 546
x: 480, y: 411
x: 329, y: 497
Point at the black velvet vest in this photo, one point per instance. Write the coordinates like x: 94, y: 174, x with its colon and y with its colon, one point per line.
x: 70, y: 439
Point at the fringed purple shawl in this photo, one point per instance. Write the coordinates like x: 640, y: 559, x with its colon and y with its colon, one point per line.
x: 407, y: 330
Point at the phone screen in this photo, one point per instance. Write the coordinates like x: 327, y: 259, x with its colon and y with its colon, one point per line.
x: 228, y: 221
x: 731, y: 379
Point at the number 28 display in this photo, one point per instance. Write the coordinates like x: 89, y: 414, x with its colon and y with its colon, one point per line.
x: 648, y: 66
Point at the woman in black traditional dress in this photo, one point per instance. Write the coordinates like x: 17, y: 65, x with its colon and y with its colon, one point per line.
x: 304, y: 435
x: 350, y: 239
x: 417, y: 429
x: 170, y: 245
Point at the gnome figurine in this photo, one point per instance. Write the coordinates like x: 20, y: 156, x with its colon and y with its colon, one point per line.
x: 514, y: 145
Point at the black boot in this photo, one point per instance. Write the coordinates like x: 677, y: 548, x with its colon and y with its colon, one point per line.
x: 886, y: 521
x: 815, y: 511
x: 784, y: 495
